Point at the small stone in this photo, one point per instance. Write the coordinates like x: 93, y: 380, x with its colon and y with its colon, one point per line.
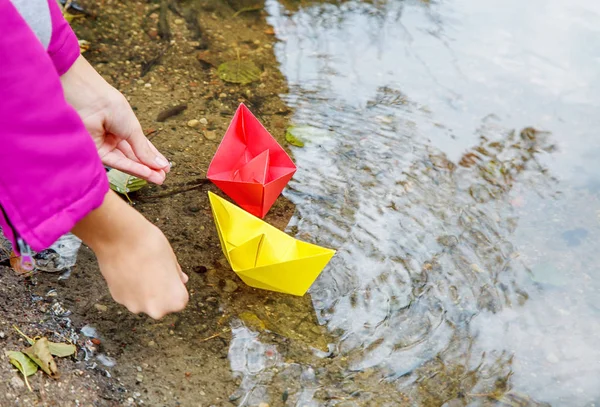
x: 223, y: 95
x: 2, y: 335
x: 263, y: 405
x: 16, y: 383
x: 210, y: 135
x: 101, y: 307
x: 171, y: 332
x: 193, y: 123
x: 140, y: 82
x: 139, y: 378
x: 151, y: 343
x: 148, y: 85
x: 179, y: 21
x: 230, y: 286
x: 139, y: 368
x: 204, y: 121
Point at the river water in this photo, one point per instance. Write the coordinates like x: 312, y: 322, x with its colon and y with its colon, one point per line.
x: 452, y: 158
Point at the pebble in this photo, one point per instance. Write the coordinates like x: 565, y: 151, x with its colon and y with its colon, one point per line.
x: 139, y: 378
x: 2, y: 335
x: 139, y: 368
x: 179, y: 21
x: 223, y: 95
x: 210, y: 135
x: 147, y: 85
x: 263, y: 405
x: 193, y: 123
x: 101, y: 307
x: 204, y: 121
x: 230, y: 286
x: 16, y: 383
x: 151, y: 343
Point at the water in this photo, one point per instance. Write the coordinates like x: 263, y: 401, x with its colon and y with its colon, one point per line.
x: 452, y: 160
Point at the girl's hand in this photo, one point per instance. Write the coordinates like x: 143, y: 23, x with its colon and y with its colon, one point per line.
x: 135, y: 259
x: 109, y: 119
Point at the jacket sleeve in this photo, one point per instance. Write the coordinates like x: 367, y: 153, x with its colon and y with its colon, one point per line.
x: 50, y: 173
x: 64, y: 47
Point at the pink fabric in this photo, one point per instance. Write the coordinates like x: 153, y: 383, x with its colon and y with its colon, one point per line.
x: 50, y: 172
x: 63, y: 47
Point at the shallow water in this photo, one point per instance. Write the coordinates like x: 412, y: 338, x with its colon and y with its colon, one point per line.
x: 451, y: 158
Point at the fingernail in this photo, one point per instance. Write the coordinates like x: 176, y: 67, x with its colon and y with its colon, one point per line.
x: 161, y: 161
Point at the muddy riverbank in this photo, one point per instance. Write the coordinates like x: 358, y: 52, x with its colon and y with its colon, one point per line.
x: 161, y: 58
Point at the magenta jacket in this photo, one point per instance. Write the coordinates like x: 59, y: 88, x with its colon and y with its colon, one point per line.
x: 50, y: 173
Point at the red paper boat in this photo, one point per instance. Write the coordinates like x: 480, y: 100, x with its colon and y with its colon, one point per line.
x: 249, y: 165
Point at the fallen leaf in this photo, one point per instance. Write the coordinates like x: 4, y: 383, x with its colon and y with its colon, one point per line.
x: 124, y: 183
x: 61, y: 349
x: 27, y: 338
x: 23, y: 363
x: 242, y: 72
x: 83, y: 46
x: 17, y: 265
x: 292, y: 139
x: 39, y: 352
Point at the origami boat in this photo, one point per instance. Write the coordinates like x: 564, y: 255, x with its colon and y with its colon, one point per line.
x: 262, y: 255
x: 249, y: 165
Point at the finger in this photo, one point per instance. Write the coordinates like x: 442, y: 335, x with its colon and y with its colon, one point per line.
x: 184, y: 277
x: 126, y: 149
x: 116, y: 159
x: 124, y: 125
x: 144, y: 151
x: 155, y: 150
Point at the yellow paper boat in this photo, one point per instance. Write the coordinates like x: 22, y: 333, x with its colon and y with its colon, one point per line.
x: 262, y: 255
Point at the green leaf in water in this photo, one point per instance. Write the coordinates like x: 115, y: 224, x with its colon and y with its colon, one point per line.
x: 23, y: 363
x: 549, y: 274
x: 292, y: 139
x: 242, y: 72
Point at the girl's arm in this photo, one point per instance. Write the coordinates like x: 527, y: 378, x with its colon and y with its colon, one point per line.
x: 50, y: 173
x: 52, y: 180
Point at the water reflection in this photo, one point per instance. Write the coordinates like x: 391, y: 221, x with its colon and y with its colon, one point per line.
x: 466, y: 271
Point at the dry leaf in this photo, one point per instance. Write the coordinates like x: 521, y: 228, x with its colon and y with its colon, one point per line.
x: 61, y: 350
x: 23, y: 363
x: 40, y: 354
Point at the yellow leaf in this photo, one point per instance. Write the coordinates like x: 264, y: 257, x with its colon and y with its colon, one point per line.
x: 23, y: 363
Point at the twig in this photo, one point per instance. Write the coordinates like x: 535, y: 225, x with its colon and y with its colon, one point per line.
x: 247, y: 9
x: 163, y: 21
x: 214, y: 336
x: 171, y: 193
x: 147, y: 66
